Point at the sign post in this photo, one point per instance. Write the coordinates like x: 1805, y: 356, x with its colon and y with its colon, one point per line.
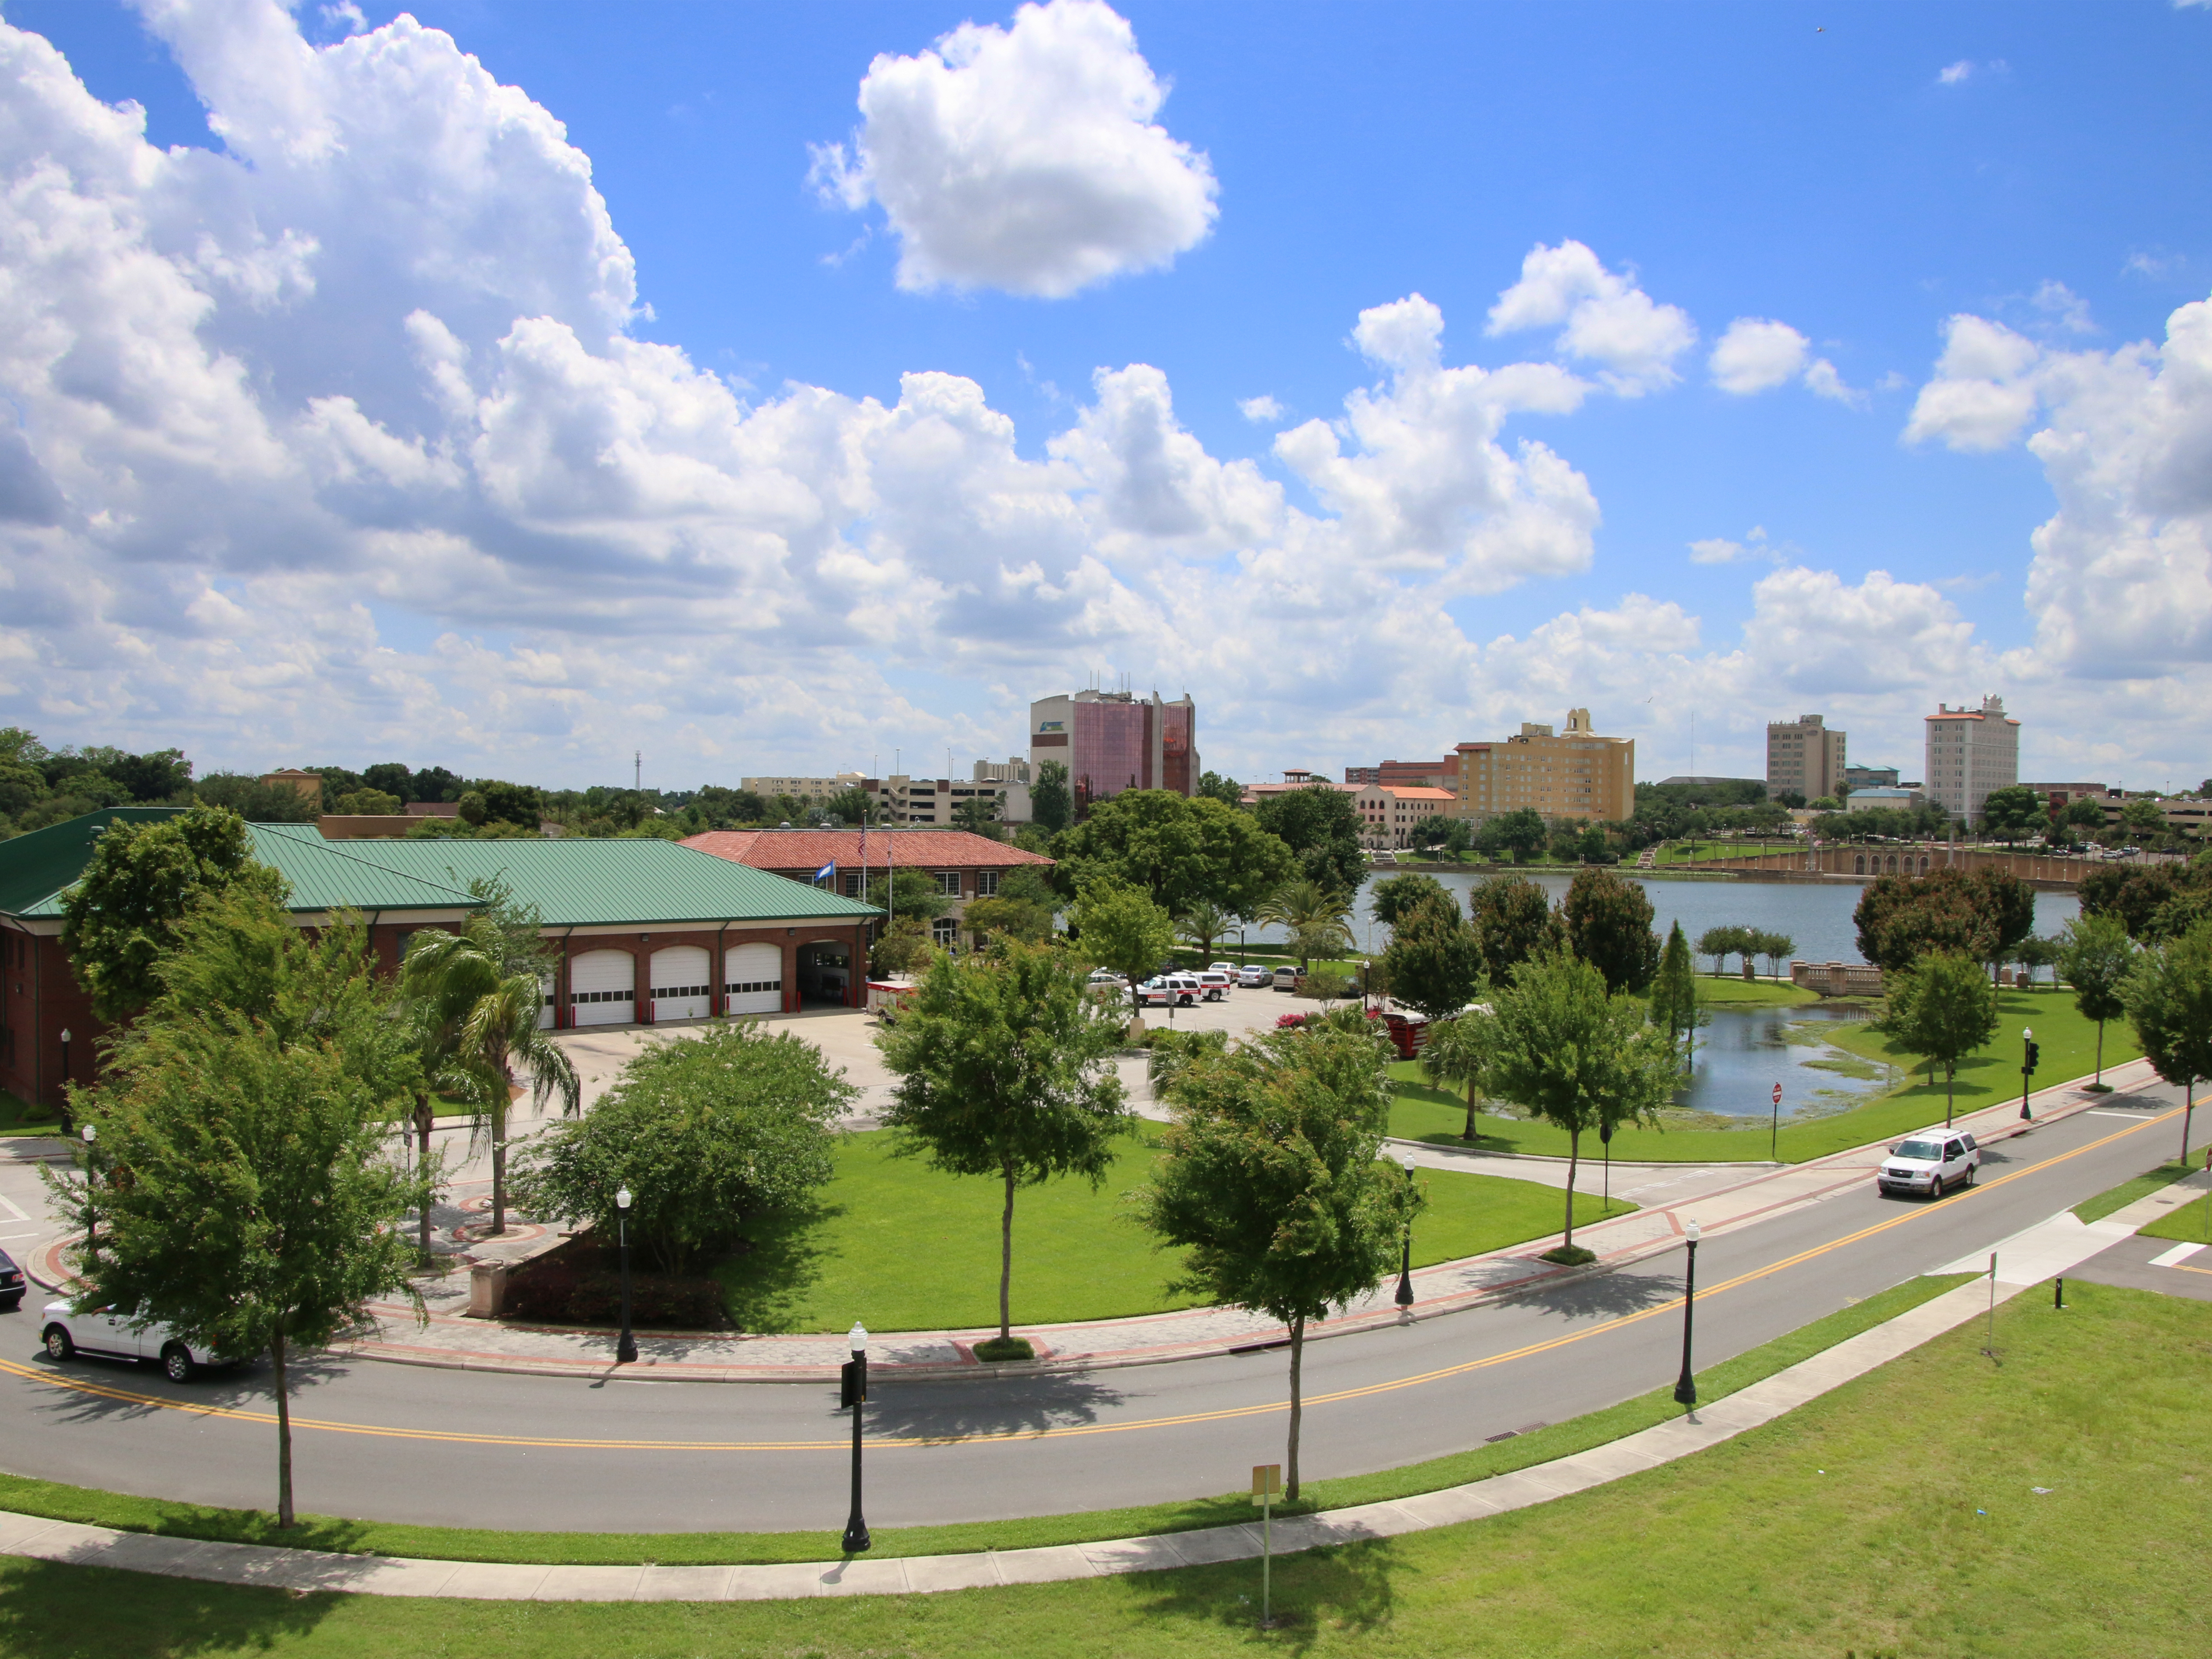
x: 1774, y: 1129
x: 1266, y: 1488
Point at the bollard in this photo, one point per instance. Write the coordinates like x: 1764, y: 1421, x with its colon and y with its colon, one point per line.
x: 2058, y: 1292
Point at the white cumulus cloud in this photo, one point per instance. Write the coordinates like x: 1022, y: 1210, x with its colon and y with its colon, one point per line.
x: 1757, y: 354
x: 1024, y: 158
x: 1609, y: 320
x: 1259, y: 410
x: 1983, y: 394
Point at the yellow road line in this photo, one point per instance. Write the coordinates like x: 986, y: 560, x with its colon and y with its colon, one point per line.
x: 105, y: 1391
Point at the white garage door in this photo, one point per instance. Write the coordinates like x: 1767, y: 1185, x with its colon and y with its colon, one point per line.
x: 545, y: 1002
x: 752, y: 979
x: 681, y: 989
x: 603, y: 988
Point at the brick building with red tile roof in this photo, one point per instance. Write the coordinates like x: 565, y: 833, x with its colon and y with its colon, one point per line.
x: 964, y: 866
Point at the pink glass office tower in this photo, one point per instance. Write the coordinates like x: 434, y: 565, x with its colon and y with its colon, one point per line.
x: 1110, y: 741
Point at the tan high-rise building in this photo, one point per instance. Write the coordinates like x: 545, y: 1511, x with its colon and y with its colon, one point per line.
x: 1805, y: 756
x: 1971, y: 752
x: 1574, y: 774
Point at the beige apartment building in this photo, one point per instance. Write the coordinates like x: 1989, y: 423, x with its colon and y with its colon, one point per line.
x: 1805, y: 755
x: 1388, y: 811
x: 813, y: 790
x: 1574, y: 774
x: 1971, y: 752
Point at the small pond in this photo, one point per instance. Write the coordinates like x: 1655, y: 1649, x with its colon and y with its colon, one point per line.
x: 1744, y: 1052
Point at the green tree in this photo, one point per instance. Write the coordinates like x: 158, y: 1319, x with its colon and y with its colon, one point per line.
x: 1942, y: 1008
x: 1051, y: 804
x: 1119, y: 927
x: 1519, y: 833
x: 1320, y: 826
x: 143, y: 879
x: 2083, y: 814
x: 474, y: 811
x: 705, y: 1132
x: 1226, y: 790
x: 253, y: 800
x: 2015, y: 812
x: 1397, y: 896
x: 1015, y: 918
x: 907, y: 893
x: 1723, y: 942
x: 1434, y: 962
x: 1005, y: 1069
x: 510, y: 803
x: 251, y: 1106
x: 1981, y: 916
x: 1438, y: 831
x: 1674, y: 996
x: 1608, y: 924
x: 366, y: 801
x: 2142, y: 818
x: 1776, y: 948
x: 1316, y: 916
x: 2094, y: 956
x: 1513, y: 922
x: 2168, y: 994
x: 1269, y: 1179
x: 1203, y: 923
x: 904, y: 946
x: 980, y: 817
x: 1579, y: 1057
x: 1455, y: 1053
x: 1178, y: 850
x: 468, y: 983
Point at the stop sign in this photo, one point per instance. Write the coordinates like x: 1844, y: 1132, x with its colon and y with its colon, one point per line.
x: 1777, y: 1094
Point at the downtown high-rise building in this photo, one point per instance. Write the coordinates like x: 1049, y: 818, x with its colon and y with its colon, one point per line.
x: 1110, y: 741
x: 1971, y: 752
x: 1805, y: 756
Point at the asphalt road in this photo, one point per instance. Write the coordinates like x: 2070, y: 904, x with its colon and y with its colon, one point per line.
x: 629, y: 1454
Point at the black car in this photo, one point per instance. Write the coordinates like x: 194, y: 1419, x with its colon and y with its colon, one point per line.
x: 11, y: 1283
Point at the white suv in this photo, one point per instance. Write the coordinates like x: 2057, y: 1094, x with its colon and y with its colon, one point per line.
x: 1931, y: 1163
x: 103, y: 1332
x: 1215, y: 981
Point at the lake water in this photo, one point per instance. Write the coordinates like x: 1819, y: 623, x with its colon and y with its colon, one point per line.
x: 1818, y: 917
x: 1744, y: 1052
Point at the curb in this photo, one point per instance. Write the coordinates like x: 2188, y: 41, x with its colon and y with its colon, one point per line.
x: 305, y: 1571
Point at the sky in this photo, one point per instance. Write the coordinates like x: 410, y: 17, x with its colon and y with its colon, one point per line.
x: 772, y: 389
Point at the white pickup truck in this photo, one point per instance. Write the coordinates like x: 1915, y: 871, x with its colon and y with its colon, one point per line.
x: 99, y: 1331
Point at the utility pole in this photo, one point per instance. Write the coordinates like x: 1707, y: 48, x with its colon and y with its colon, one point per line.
x: 637, y: 770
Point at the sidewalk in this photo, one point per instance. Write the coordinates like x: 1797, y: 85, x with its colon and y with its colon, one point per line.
x: 453, y: 1341
x: 304, y: 1571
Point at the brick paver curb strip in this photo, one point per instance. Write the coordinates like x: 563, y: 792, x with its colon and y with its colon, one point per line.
x: 310, y: 1571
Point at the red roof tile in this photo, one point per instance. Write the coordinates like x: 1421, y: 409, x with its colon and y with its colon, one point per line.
x: 808, y: 850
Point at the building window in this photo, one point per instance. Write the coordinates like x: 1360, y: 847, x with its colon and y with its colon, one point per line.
x: 948, y: 882
x: 852, y: 883
x: 986, y: 884
x: 941, y: 932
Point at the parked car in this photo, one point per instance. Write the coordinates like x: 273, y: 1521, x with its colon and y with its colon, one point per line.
x: 11, y: 1283
x: 1287, y: 978
x: 103, y: 1332
x: 1929, y: 1163
x: 1229, y: 967
x: 1256, y: 977
x: 1213, y: 983
x: 1167, y: 988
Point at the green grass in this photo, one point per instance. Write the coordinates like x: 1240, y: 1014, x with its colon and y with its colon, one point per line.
x: 900, y: 1247
x: 19, y: 1117
x: 1988, y: 1077
x: 1734, y: 991
x: 1810, y: 1538
x: 2191, y: 1223
x: 2120, y: 1197
x: 65, y: 1502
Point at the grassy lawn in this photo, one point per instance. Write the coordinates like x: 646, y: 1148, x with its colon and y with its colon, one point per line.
x: 2068, y: 1522
x: 1986, y: 1078
x: 1734, y: 991
x: 903, y: 1248
x: 129, y: 1514
x: 2191, y: 1223
x: 19, y: 1117
x: 2120, y: 1197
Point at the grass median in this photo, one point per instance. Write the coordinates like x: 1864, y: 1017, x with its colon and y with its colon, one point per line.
x: 2057, y: 1512
x: 147, y: 1514
x: 1989, y: 1076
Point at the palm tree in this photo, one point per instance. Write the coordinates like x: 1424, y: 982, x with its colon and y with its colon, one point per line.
x: 1202, y: 922
x: 482, y: 1017
x: 1457, y: 1051
x: 1317, y: 918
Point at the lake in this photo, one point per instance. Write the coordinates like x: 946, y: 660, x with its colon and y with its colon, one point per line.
x: 1744, y: 1052
x: 1818, y: 917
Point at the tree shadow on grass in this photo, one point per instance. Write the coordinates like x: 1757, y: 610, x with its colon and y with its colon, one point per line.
x: 52, y: 1610
x: 766, y: 1288
x: 1344, y: 1590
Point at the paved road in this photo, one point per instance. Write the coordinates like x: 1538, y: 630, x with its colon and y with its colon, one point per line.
x: 626, y: 1453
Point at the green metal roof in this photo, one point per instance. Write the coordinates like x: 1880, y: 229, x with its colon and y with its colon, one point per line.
x: 582, y: 882
x: 35, y: 868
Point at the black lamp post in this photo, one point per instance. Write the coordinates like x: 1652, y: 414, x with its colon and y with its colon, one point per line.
x: 1406, y: 1248
x: 1686, y: 1388
x: 855, y: 1393
x: 626, y: 1345
x: 2029, y: 1055
x: 91, y: 1215
x: 65, y: 1080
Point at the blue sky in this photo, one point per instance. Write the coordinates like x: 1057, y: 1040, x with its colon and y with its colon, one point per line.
x: 1864, y: 175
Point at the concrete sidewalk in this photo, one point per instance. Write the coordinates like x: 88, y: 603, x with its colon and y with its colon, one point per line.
x: 304, y: 1571
x: 1718, y: 1198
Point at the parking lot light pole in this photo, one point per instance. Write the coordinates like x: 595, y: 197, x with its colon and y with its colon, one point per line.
x: 625, y: 1344
x: 91, y: 1215
x: 1685, y: 1387
x: 855, y: 1392
x: 2027, y: 1059
x: 1405, y: 1247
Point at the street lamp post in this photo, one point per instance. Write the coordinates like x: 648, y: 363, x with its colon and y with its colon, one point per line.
x: 625, y: 1344
x: 2028, y: 1053
x: 66, y: 1116
x: 855, y: 1394
x: 1405, y: 1247
x: 1685, y: 1387
x: 91, y: 1215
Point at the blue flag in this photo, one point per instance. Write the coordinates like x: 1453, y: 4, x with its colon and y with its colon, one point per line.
x: 826, y: 872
